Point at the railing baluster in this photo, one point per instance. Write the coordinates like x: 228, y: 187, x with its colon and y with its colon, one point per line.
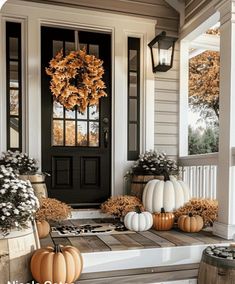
x: 200, y: 173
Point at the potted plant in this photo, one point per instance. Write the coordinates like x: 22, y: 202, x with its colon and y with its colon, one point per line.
x: 18, y: 240
x: 150, y: 165
x: 27, y: 169
x: 50, y: 209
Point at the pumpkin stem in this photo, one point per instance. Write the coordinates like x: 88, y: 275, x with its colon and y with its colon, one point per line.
x: 57, y: 248
x: 166, y: 176
x: 163, y: 210
x: 190, y: 214
x: 137, y: 209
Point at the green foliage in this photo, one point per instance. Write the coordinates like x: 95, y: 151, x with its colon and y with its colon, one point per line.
x: 203, y: 141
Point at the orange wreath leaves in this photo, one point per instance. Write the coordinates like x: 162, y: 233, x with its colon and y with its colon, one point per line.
x: 76, y: 79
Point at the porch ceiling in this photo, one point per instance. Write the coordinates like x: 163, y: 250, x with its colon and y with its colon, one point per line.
x: 145, y: 8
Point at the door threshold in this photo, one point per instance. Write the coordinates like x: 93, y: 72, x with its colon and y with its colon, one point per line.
x: 88, y: 213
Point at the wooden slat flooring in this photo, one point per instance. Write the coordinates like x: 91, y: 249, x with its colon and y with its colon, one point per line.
x: 122, y: 241
x: 178, y: 238
x: 161, y: 242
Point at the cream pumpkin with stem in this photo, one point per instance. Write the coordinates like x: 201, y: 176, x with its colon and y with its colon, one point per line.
x: 169, y: 194
x: 138, y: 221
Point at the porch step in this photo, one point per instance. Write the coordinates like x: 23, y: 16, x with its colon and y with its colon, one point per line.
x: 171, y: 274
x: 151, y: 256
x: 88, y: 214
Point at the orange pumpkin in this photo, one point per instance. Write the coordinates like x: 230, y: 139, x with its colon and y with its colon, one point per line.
x: 190, y: 223
x: 43, y: 228
x: 163, y: 221
x: 61, y: 264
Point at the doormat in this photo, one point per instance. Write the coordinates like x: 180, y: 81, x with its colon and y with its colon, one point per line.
x: 88, y: 230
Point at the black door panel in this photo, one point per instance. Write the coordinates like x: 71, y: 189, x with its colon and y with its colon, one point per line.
x: 76, y: 148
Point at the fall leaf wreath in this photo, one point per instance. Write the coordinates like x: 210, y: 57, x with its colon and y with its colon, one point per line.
x: 76, y: 79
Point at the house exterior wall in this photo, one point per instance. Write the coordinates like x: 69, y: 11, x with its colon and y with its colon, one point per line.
x: 158, y: 105
x: 166, y: 126
x: 155, y: 9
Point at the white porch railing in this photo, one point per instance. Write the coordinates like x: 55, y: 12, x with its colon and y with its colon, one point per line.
x: 200, y: 173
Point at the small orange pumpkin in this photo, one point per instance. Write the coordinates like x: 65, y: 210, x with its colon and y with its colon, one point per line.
x: 61, y: 264
x: 189, y: 223
x: 163, y: 221
x: 43, y: 228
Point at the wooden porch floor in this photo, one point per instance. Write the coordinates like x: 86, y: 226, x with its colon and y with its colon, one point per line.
x: 160, y: 243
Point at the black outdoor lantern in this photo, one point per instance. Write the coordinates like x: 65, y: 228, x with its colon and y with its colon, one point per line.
x: 162, y: 52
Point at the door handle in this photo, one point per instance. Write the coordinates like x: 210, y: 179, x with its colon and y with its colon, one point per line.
x: 106, y: 137
x: 106, y: 131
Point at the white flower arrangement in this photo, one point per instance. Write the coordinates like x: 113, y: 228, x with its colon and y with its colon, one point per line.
x: 18, y: 204
x: 19, y: 162
x: 154, y: 163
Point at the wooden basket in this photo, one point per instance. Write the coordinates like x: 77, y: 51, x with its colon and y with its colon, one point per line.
x: 38, y: 184
x: 16, y: 250
x: 138, y: 183
x: 215, y: 270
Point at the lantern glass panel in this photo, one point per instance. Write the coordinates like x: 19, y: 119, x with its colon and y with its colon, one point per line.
x: 165, y: 56
x: 156, y: 55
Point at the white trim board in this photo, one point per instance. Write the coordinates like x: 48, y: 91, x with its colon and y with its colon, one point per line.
x: 144, y: 258
x: 120, y: 26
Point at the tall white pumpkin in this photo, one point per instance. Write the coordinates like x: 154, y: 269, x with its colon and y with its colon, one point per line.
x: 170, y: 195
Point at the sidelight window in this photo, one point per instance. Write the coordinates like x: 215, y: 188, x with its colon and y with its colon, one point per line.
x: 133, y: 98
x: 14, y: 86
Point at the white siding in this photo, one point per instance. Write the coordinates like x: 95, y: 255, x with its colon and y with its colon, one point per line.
x: 166, y: 134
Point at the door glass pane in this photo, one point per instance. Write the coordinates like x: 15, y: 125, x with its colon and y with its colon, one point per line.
x: 58, y: 110
x: 14, y: 102
x: 132, y: 137
x: 14, y: 84
x: 93, y: 134
x: 94, y: 50
x: 133, y: 110
x: 14, y: 132
x: 133, y: 78
x: 13, y: 42
x: 14, y: 75
x: 70, y: 114
x: 94, y: 112
x: 70, y: 133
x: 81, y: 115
x: 57, y: 46
x: 133, y: 90
x: 82, y: 46
x: 58, y: 133
x: 133, y: 60
x: 82, y: 133
x: 69, y: 46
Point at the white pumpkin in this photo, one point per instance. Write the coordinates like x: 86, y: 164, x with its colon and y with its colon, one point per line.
x: 170, y: 195
x: 138, y: 222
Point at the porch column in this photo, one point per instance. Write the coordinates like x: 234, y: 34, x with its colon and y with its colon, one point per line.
x: 225, y: 227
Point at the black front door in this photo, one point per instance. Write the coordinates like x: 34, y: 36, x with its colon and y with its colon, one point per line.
x: 76, y: 148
